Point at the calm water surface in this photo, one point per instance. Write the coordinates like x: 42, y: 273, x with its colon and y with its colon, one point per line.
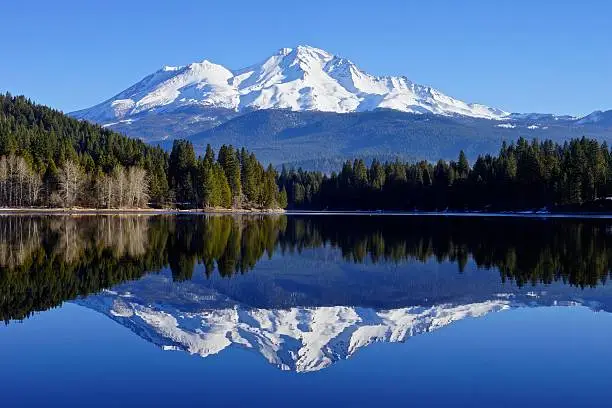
x: 304, y: 310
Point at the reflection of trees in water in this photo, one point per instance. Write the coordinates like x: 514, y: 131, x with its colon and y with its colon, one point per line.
x: 46, y: 260
x: 19, y: 238
x: 122, y: 235
x: 125, y: 235
x: 228, y: 244
x: 528, y: 251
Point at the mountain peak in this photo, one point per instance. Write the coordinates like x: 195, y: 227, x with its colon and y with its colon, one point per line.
x: 598, y: 117
x: 309, y: 50
x: 206, y: 64
x: 284, y: 51
x: 304, y: 78
x: 169, y: 68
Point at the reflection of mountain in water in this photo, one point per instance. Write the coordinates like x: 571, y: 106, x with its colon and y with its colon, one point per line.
x: 194, y: 318
x: 298, y: 339
x: 304, y: 291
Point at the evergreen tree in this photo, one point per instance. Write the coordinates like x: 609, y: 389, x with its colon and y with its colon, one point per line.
x: 225, y: 192
x: 463, y: 166
x: 525, y: 175
x: 250, y: 176
x: 230, y: 162
x: 182, y: 172
x: 377, y: 175
x: 269, y: 189
x: 282, y: 198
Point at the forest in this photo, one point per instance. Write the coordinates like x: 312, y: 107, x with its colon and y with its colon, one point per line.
x: 526, y: 175
x: 48, y: 159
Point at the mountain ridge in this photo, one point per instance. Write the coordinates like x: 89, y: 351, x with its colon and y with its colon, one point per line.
x: 303, y: 78
x: 296, y: 138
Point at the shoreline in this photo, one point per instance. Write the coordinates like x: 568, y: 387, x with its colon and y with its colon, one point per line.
x: 501, y: 214
x: 133, y: 211
x: 253, y: 211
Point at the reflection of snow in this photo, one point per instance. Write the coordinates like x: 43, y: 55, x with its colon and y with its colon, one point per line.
x: 299, y: 339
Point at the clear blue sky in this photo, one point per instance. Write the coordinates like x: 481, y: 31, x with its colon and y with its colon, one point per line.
x: 520, y: 55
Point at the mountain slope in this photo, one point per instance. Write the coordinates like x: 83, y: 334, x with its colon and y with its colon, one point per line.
x: 300, y: 79
x: 322, y: 140
x: 597, y: 119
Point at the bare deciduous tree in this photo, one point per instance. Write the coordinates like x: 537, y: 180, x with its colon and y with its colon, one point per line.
x: 120, y: 182
x: 34, y: 188
x: 19, y: 184
x: 21, y: 174
x: 138, y: 187
x: 22, y: 186
x: 4, y: 180
x: 71, y: 180
x: 123, y: 188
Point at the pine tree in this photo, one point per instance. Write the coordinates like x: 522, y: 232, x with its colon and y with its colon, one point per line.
x: 250, y: 169
x: 282, y: 198
x: 182, y: 172
x: 205, y: 183
x: 463, y: 166
x: 360, y: 173
x: 229, y: 161
x: 209, y: 156
x: 270, y: 189
x: 377, y: 175
x: 225, y: 191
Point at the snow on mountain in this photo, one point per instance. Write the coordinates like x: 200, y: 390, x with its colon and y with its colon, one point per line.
x: 597, y: 118
x: 542, y: 117
x: 299, y: 339
x: 304, y: 78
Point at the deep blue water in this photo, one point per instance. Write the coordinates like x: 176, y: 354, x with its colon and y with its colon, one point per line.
x: 532, y: 357
x: 542, y: 336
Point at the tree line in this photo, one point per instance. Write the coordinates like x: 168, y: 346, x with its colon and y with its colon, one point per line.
x: 50, y: 159
x: 523, y: 175
x: 232, y: 179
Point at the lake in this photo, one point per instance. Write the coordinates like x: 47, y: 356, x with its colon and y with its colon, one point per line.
x: 305, y: 310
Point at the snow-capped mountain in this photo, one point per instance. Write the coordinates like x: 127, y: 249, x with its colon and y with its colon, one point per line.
x: 287, y: 108
x: 300, y: 339
x: 300, y: 79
